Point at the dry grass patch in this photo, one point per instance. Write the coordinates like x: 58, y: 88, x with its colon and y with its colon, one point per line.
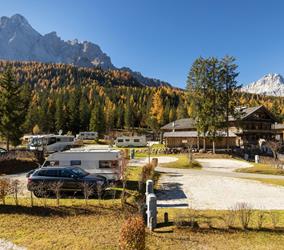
x: 182, y: 162
x: 262, y: 169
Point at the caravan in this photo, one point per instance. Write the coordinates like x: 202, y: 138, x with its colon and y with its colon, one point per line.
x: 104, y: 162
x: 131, y: 141
x: 50, y: 143
x: 87, y: 136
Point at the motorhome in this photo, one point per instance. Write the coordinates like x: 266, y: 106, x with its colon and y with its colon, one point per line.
x: 87, y: 136
x: 50, y: 143
x: 105, y: 162
x: 131, y: 141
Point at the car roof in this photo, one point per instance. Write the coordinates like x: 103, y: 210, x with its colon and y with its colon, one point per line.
x: 57, y: 167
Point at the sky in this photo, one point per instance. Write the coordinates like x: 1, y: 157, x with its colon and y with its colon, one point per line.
x: 162, y: 38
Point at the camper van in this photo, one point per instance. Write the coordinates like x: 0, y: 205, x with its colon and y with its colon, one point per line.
x: 50, y: 143
x: 87, y: 136
x: 131, y: 141
x: 105, y: 162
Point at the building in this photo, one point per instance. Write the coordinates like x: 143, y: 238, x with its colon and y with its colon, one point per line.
x: 253, y: 124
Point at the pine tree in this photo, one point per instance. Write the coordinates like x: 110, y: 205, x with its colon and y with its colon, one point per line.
x: 84, y: 114
x: 73, y: 111
x: 13, y: 108
x: 60, y: 116
x: 97, y: 122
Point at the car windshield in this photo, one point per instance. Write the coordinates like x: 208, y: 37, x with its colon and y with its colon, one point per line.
x: 80, y: 172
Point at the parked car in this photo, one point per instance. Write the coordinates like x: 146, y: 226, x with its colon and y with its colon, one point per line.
x: 3, y: 151
x: 72, y: 179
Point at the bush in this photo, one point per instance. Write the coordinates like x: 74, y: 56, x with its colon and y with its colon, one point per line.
x: 147, y: 172
x: 244, y: 212
x: 132, y: 234
x: 5, y: 188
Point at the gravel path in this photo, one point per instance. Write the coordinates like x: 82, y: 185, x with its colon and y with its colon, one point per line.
x: 8, y: 245
x: 217, y: 187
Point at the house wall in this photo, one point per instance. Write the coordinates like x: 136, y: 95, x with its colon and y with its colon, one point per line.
x: 220, y: 142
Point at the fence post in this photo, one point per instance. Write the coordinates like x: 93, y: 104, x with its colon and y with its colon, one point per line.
x: 151, y: 211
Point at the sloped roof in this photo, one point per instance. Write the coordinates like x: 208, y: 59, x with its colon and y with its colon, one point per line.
x: 187, y: 123
x: 247, y: 111
x: 188, y: 134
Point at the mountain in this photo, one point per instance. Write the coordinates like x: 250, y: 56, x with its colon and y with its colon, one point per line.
x: 270, y: 85
x: 19, y: 41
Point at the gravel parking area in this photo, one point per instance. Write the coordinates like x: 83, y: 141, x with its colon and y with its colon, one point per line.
x: 216, y: 187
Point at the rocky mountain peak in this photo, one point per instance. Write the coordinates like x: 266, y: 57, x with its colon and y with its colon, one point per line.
x: 270, y: 84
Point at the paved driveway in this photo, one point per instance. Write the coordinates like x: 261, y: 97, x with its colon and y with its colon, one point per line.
x: 216, y: 186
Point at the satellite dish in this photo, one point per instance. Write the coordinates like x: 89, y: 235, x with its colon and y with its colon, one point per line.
x: 60, y: 132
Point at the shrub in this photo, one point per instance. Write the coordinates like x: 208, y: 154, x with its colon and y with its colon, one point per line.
x: 244, y: 212
x: 132, y: 234
x: 147, y: 172
x: 229, y: 217
x: 260, y: 218
x: 5, y: 188
x: 274, y: 216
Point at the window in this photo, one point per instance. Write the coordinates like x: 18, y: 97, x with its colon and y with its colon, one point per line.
x: 75, y: 163
x: 51, y: 163
x: 64, y: 173
x: 136, y: 140
x: 79, y: 172
x: 49, y: 172
x: 120, y: 140
x: 127, y: 140
x: 108, y: 164
x: 104, y: 164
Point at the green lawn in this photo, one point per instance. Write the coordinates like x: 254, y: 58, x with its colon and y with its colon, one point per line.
x: 182, y: 162
x: 261, y: 169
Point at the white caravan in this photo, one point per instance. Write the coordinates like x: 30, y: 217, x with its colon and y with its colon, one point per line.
x: 131, y: 141
x: 87, y: 136
x: 105, y: 162
x: 50, y: 143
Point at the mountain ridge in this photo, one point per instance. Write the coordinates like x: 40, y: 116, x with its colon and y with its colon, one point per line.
x: 271, y: 84
x: 19, y: 41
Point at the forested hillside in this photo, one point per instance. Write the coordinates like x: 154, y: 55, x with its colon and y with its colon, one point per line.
x: 78, y: 99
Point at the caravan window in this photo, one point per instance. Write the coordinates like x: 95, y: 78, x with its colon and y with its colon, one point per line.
x: 104, y: 164
x: 136, y: 140
x: 75, y: 163
x: 127, y: 140
x: 51, y: 163
x: 120, y: 140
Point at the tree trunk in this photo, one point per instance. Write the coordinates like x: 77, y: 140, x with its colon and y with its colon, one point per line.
x: 8, y: 143
x: 204, y: 143
x: 213, y: 146
x: 198, y: 146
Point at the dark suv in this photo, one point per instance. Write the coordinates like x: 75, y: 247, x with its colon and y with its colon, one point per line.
x: 71, y: 179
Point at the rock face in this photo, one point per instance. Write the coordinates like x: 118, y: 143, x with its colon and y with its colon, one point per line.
x: 270, y: 84
x: 20, y: 42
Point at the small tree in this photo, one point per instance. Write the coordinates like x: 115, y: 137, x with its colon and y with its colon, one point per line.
x: 244, y: 212
x: 56, y: 188
x: 14, y: 190
x: 88, y: 190
x: 275, y: 146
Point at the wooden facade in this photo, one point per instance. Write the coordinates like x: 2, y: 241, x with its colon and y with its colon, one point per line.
x: 254, y: 123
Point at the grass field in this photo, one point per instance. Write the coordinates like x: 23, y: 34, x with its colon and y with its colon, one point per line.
x: 74, y: 226
x: 262, y: 169
x: 182, y: 162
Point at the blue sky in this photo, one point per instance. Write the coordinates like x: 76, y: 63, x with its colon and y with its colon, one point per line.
x: 162, y: 38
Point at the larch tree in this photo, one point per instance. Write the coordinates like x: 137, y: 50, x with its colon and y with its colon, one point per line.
x: 157, y: 108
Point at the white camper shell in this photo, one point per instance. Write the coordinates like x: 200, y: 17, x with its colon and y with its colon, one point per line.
x: 87, y: 136
x: 50, y: 143
x: 131, y: 141
x: 105, y: 162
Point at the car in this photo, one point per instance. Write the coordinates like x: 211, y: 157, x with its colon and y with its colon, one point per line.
x: 3, y: 151
x: 71, y: 179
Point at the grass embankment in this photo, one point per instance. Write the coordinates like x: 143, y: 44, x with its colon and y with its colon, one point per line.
x: 182, y: 162
x: 262, y: 169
